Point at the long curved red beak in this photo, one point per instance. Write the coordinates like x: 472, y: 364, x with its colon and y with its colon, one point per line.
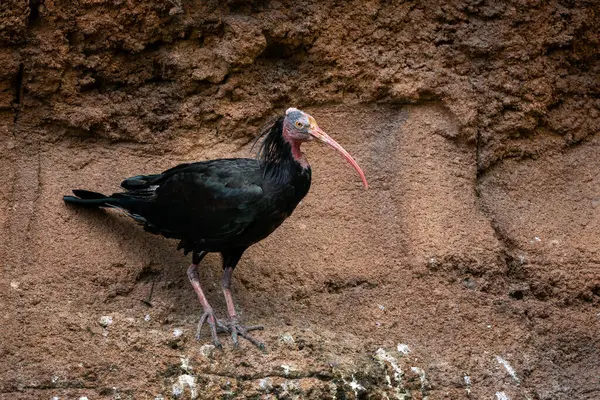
x: 318, y: 134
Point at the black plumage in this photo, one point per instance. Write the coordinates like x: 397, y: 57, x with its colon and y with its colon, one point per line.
x: 223, y: 205
x: 215, y: 205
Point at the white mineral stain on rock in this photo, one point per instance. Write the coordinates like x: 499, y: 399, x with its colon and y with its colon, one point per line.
x: 185, y: 364
x: 508, y: 368
x: 536, y: 239
x: 265, y: 384
x: 182, y: 382
x: 177, y: 390
x: 502, y: 396
x: 287, y: 339
x: 105, y: 321
x: 286, y: 369
x: 289, y: 387
x: 384, y: 357
x: 403, y: 348
x: 468, y: 383
x: 207, y: 350
x: 356, y: 387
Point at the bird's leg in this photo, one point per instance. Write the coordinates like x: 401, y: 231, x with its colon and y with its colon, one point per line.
x: 226, y: 285
x: 234, y: 326
x: 208, y: 315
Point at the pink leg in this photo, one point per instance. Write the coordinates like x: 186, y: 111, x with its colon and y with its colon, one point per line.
x: 234, y: 325
x: 208, y: 315
x: 226, y: 285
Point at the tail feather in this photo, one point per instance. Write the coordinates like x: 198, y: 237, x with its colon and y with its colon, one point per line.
x: 139, y: 182
x: 88, y: 195
x: 87, y: 198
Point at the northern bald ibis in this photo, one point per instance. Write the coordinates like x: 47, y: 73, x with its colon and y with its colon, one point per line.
x: 224, y: 205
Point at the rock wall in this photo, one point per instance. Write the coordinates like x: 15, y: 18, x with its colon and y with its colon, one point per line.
x: 469, y: 269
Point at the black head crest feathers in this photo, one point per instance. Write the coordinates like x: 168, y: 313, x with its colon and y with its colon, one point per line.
x: 274, y: 148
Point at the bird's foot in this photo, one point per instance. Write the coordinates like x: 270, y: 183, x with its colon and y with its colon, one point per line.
x: 235, y: 328
x: 208, y: 316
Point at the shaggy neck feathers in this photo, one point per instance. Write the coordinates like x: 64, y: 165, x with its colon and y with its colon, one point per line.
x: 280, y: 154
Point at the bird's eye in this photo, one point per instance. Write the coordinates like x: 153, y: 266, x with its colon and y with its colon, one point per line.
x: 299, y: 125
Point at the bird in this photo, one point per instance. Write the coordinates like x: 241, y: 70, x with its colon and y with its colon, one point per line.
x: 224, y: 206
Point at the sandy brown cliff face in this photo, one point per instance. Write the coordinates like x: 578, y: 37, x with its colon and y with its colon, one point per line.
x: 469, y: 269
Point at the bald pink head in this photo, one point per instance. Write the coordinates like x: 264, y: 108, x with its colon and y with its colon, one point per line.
x: 299, y: 127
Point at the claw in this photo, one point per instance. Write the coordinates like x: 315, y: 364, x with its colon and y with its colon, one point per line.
x: 208, y: 316
x: 234, y: 327
x: 252, y: 340
x: 200, y: 323
x: 255, y: 328
x: 222, y: 327
x: 234, y: 337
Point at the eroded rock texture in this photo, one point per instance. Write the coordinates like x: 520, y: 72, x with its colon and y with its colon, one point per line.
x: 469, y: 269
